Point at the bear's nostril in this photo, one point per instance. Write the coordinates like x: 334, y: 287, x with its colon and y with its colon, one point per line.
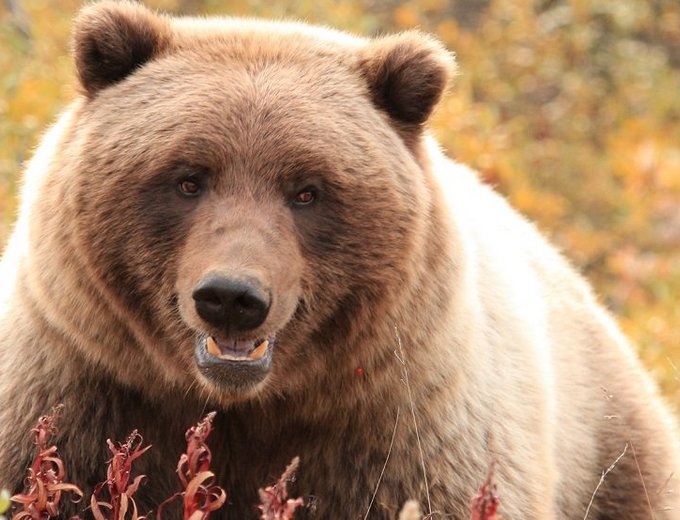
x: 212, y: 305
x: 247, y: 303
x: 235, y: 304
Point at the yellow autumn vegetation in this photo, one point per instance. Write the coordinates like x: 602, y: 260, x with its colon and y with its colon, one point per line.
x: 570, y: 107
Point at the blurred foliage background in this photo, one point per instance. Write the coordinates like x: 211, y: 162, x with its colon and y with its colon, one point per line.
x: 569, y: 107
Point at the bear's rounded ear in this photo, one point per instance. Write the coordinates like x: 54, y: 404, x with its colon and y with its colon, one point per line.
x: 113, y: 38
x: 407, y: 74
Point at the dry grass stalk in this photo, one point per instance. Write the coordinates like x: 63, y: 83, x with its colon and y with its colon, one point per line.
x: 402, y: 359
x: 604, y: 474
x: 382, y: 472
x: 642, y: 479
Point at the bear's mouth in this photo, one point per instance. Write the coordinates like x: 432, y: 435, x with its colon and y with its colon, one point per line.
x: 235, y: 365
x: 236, y: 349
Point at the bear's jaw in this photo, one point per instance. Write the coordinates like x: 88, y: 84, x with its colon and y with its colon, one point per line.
x: 235, y: 366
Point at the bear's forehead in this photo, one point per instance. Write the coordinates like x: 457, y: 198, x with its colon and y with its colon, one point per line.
x: 227, y: 95
x: 234, y: 115
x: 239, y: 94
x: 256, y: 43
x: 239, y: 82
x: 242, y: 66
x: 278, y: 34
x: 304, y: 55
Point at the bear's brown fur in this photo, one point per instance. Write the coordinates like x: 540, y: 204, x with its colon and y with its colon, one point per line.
x: 290, y: 164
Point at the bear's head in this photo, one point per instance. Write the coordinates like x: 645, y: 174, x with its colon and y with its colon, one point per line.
x: 252, y: 193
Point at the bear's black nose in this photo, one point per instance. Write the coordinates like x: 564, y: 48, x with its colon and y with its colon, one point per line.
x: 234, y: 304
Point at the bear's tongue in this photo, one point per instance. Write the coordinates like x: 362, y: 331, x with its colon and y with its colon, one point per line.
x: 236, y: 350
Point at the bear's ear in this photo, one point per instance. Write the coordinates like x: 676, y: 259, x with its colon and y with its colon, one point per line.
x: 113, y: 38
x: 407, y: 74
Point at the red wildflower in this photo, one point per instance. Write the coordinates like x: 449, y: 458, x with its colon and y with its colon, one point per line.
x: 200, y: 496
x: 274, y: 501
x: 44, y: 483
x: 486, y: 502
x: 117, y: 481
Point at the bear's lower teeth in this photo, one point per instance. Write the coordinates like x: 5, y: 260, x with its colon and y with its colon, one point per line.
x: 213, y: 348
x: 259, y: 351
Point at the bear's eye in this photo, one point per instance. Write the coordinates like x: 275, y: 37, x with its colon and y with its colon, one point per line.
x: 305, y: 196
x: 189, y: 187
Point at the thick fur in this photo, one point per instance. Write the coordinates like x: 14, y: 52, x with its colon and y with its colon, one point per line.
x: 405, y: 266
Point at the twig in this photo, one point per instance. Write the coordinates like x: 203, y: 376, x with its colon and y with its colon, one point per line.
x: 402, y: 360
x: 642, y: 479
x: 665, y: 484
x: 604, y: 474
x: 382, y: 472
x: 19, y: 19
x: 675, y: 368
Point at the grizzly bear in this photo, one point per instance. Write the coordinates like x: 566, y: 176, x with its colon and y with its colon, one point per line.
x: 251, y: 217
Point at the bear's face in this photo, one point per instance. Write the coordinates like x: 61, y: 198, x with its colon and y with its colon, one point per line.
x: 246, y: 192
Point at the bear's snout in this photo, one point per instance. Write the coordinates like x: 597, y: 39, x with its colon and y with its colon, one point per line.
x: 236, y: 304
